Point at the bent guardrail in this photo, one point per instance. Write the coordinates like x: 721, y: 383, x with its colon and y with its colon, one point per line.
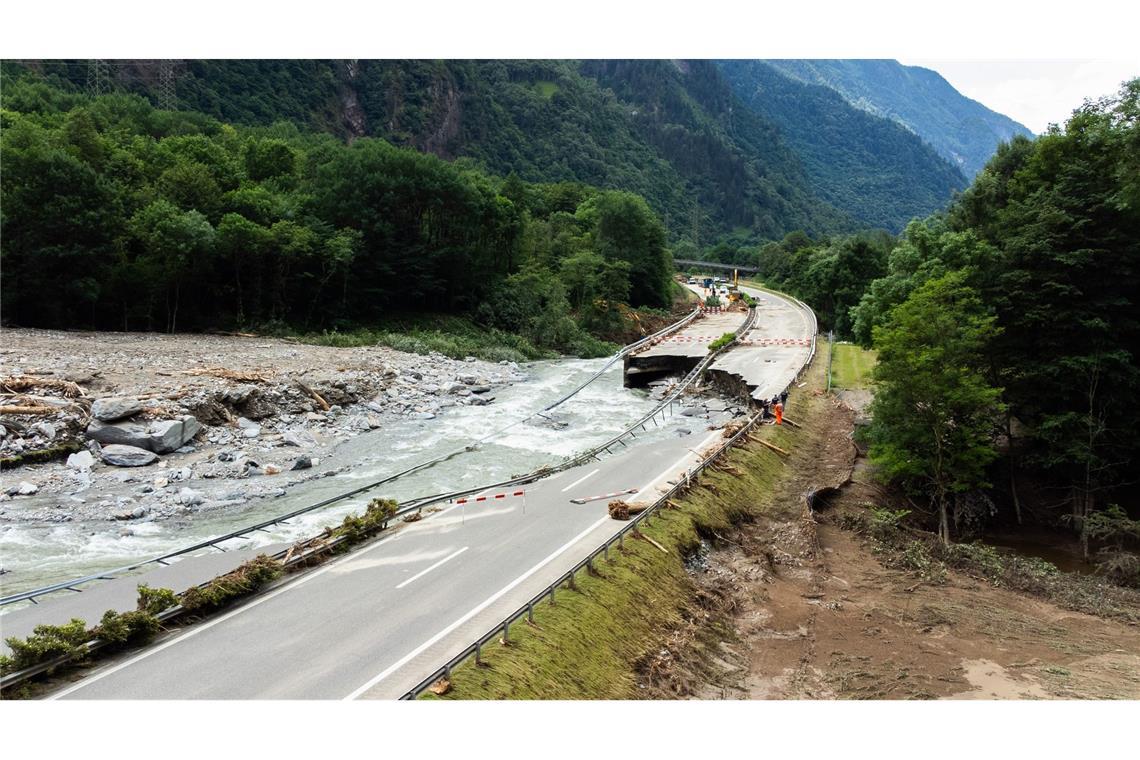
x: 163, y: 559
x: 502, y: 629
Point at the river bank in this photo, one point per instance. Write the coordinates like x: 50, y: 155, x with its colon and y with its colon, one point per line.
x: 86, y: 521
x: 272, y: 413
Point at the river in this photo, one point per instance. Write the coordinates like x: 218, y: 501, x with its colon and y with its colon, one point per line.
x: 40, y: 554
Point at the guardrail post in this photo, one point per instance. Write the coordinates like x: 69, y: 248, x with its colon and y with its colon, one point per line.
x: 570, y: 582
x: 478, y: 654
x: 530, y: 612
x: 506, y: 632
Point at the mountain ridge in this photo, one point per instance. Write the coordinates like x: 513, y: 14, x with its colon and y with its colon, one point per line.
x: 961, y: 129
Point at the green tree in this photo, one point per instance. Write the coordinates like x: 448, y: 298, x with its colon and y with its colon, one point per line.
x: 934, y: 411
x: 176, y: 243
x: 625, y: 229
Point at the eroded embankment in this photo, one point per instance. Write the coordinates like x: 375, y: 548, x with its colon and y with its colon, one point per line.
x: 641, y: 626
x: 755, y: 598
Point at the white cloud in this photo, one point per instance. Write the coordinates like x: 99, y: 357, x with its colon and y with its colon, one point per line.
x: 1033, y: 92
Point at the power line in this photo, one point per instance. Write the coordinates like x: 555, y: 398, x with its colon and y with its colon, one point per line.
x: 98, y: 77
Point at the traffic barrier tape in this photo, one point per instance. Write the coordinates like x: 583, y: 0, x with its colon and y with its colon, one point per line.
x: 491, y: 498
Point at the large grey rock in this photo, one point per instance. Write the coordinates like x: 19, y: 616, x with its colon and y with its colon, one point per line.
x: 110, y: 409
x: 161, y: 437
x: 298, y: 438
x: 119, y: 433
x: 190, y: 497
x: 168, y: 435
x: 46, y: 429
x: 126, y: 456
x: 81, y: 460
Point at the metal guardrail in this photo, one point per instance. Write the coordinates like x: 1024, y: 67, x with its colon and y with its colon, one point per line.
x: 503, y: 628
x: 301, y: 551
x: 308, y: 547
x: 70, y: 585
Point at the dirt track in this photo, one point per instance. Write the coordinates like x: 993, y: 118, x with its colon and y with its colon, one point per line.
x: 817, y: 616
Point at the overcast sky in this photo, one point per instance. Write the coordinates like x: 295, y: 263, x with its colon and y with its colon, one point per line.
x: 1033, y: 92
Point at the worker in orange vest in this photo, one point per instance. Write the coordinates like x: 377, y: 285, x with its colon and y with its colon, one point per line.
x: 779, y: 408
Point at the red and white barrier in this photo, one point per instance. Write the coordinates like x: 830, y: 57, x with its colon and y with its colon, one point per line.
x: 690, y: 339
x: 603, y: 496
x: 777, y: 342
x: 491, y: 497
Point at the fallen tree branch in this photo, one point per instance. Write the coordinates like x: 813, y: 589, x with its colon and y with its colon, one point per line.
x: 315, y: 396
x: 773, y: 447
x: 20, y: 384
x: 28, y: 410
x: 650, y: 540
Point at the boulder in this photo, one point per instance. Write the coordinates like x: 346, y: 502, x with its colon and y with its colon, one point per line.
x: 161, y: 437
x: 298, y: 438
x: 249, y: 429
x: 467, y: 379
x: 24, y: 488
x: 81, y: 460
x: 46, y: 429
x: 120, y: 434
x: 189, y: 497
x: 126, y: 456
x: 115, y: 408
x: 302, y: 463
x: 169, y: 435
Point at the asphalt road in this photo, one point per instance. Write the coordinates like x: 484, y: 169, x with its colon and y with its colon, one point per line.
x: 352, y: 627
x: 373, y: 623
x: 778, y: 344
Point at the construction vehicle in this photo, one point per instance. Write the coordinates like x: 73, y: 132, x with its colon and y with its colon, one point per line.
x: 734, y: 295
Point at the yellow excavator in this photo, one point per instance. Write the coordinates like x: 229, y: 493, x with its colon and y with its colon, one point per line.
x: 734, y: 294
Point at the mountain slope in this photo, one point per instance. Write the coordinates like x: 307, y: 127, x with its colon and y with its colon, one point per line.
x: 677, y: 132
x: 873, y: 168
x: 960, y: 129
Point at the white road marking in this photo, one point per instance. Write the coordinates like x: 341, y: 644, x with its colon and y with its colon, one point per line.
x: 422, y: 573
x: 482, y: 606
x: 208, y: 625
x: 579, y: 480
x: 694, y: 451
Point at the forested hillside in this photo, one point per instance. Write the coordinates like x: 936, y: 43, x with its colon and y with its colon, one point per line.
x: 120, y: 215
x: 710, y: 163
x: 1009, y: 335
x: 875, y: 169
x: 962, y: 130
